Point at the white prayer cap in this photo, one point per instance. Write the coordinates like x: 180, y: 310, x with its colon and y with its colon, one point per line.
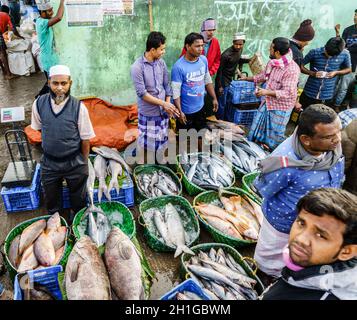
x: 239, y: 36
x: 59, y: 70
x: 43, y: 5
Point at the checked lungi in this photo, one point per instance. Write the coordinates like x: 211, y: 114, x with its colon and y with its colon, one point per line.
x: 153, y: 131
x: 269, y: 126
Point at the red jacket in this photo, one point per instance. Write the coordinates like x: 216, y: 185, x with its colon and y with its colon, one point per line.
x: 213, y: 56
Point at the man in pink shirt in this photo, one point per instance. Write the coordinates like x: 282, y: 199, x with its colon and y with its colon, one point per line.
x: 281, y: 76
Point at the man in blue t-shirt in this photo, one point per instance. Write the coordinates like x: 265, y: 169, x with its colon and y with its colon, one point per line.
x: 189, y: 79
x: 44, y: 23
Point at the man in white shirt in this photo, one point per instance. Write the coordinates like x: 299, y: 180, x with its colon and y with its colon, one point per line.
x: 66, y: 130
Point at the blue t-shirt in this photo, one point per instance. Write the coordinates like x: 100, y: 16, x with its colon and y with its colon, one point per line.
x: 48, y: 56
x: 191, y: 76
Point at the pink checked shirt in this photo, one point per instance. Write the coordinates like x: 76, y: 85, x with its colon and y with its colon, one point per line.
x: 284, y: 82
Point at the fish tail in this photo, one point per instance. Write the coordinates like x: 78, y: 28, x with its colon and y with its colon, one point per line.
x: 181, y: 249
x: 114, y: 184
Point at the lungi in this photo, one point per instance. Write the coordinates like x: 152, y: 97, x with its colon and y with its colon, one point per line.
x: 153, y: 131
x: 269, y: 126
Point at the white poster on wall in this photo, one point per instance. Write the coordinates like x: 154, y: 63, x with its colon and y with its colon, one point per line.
x: 118, y: 7
x: 84, y: 13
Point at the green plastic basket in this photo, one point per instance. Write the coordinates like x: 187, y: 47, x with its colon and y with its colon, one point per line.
x: 218, y: 236
x: 259, y: 287
x: 150, y: 168
x: 247, y: 181
x: 110, y: 209
x: 153, y: 241
x: 19, y: 229
x: 191, y: 188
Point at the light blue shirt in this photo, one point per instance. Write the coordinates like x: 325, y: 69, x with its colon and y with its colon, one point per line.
x: 283, y: 188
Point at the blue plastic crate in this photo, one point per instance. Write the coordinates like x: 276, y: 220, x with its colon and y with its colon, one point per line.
x: 243, y: 92
x: 188, y: 285
x: 125, y: 196
x: 23, y: 198
x: 244, y: 117
x: 47, y: 277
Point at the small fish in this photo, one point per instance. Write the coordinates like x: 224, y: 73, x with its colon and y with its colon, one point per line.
x: 100, y: 168
x: 14, y: 255
x: 115, y: 170
x: 44, y: 250
x: 30, y: 234
x: 28, y: 260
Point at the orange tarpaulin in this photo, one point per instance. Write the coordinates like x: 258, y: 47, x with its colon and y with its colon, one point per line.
x: 114, y: 126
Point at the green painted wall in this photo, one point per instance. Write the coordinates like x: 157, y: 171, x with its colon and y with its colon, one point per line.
x: 100, y: 58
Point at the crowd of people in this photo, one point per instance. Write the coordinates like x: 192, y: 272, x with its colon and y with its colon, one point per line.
x: 310, y: 221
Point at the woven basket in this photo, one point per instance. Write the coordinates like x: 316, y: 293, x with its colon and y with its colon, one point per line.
x: 19, y: 229
x: 218, y: 236
x: 259, y: 287
x: 153, y: 241
x: 109, y: 208
x: 247, y: 181
x: 149, y: 168
x: 191, y: 188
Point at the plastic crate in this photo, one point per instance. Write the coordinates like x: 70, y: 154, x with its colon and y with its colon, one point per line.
x: 125, y: 196
x: 188, y: 285
x: 243, y: 117
x: 243, y: 92
x: 23, y: 198
x: 47, y: 277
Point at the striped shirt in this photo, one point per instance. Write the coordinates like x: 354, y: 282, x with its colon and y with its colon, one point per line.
x: 323, y: 88
x: 284, y: 82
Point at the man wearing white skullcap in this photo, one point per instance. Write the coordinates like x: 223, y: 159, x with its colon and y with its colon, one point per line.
x: 230, y: 60
x: 44, y: 24
x: 66, y: 130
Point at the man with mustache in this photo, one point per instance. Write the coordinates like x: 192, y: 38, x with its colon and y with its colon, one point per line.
x: 321, y: 258
x: 310, y: 159
x: 66, y: 130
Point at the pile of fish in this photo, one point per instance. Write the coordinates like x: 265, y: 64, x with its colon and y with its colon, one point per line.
x: 239, y: 217
x: 244, y: 154
x: 220, y: 276
x: 88, y: 277
x: 156, y: 184
x: 40, y: 245
x: 108, y: 161
x: 170, y: 227
x: 207, y: 170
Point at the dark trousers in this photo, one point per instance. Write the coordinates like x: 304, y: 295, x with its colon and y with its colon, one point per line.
x: 45, y: 89
x: 76, y: 179
x: 306, y: 101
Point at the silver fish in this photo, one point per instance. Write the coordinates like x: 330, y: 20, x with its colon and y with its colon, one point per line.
x: 115, y: 170
x: 100, y: 168
x: 111, y: 153
x: 176, y: 230
x: 192, y: 295
x: 161, y: 227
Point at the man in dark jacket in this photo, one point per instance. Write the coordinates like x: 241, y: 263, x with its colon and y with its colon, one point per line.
x: 66, y: 130
x: 230, y: 60
x: 321, y: 258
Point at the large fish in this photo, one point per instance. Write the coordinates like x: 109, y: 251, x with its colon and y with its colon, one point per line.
x: 53, y: 223
x: 111, y: 153
x: 30, y: 234
x: 58, y: 237
x: 115, y: 170
x: 28, y: 260
x: 86, y: 277
x: 161, y: 227
x: 14, y: 256
x: 176, y: 230
x: 100, y: 168
x: 44, y: 250
x: 124, y: 266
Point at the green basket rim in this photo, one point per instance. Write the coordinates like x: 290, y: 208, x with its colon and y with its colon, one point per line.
x: 208, y: 245
x: 139, y: 168
x: 194, y: 218
x: 7, y: 242
x: 247, y: 185
x: 213, y: 229
x: 74, y: 227
x: 200, y: 189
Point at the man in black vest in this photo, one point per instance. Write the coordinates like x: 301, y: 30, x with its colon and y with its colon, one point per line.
x: 66, y: 131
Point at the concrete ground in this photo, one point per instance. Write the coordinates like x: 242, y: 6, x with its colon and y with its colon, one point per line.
x: 21, y: 92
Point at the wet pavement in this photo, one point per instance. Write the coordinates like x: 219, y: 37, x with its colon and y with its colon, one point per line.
x: 21, y: 92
